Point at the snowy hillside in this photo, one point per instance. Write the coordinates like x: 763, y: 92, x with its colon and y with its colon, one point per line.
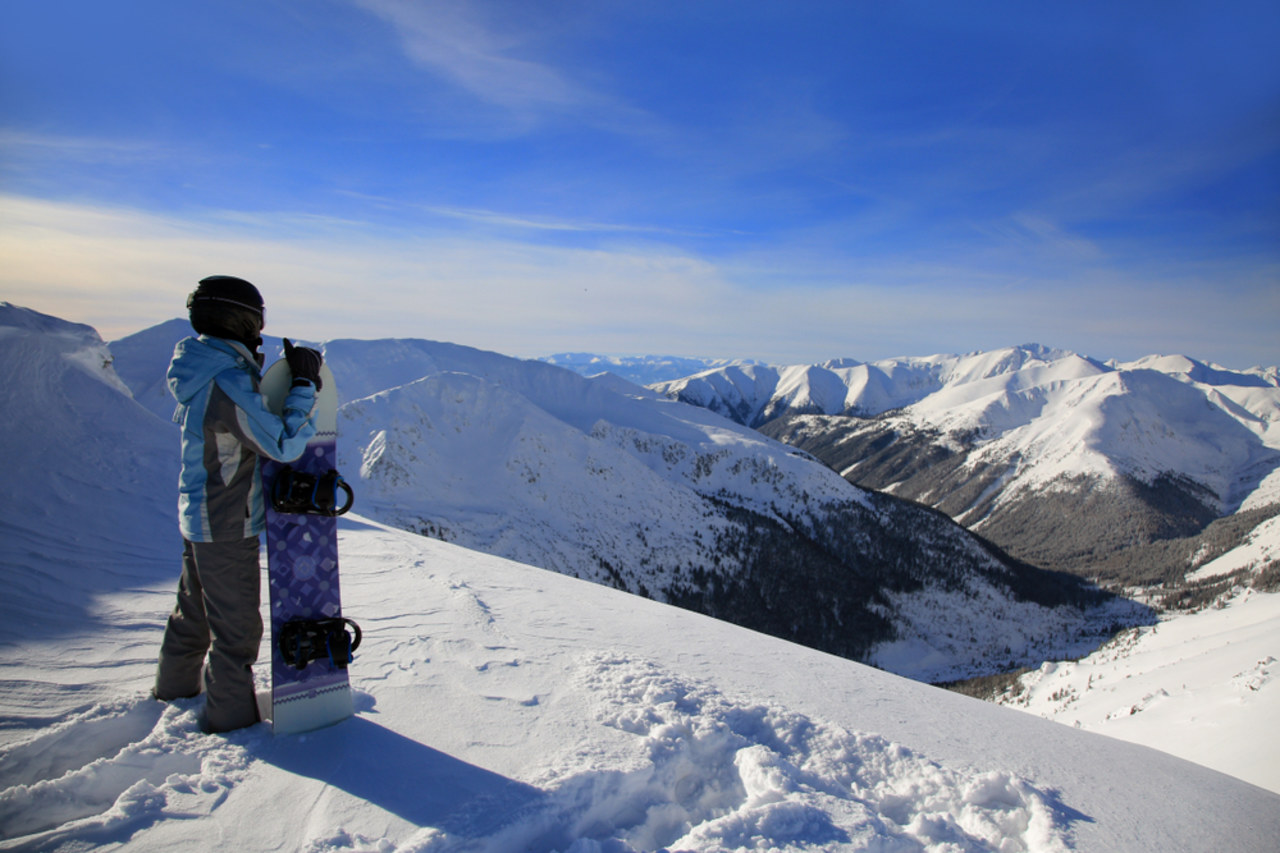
x: 1202, y: 686
x: 499, y: 707
x: 603, y: 480
x: 1013, y: 443
x: 504, y: 708
x: 83, y: 464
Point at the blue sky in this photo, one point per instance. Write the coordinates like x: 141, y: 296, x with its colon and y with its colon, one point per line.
x: 784, y: 181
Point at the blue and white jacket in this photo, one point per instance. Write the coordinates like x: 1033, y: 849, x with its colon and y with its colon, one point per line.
x: 226, y: 426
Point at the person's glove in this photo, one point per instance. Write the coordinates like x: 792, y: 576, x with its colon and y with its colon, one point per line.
x: 304, y: 363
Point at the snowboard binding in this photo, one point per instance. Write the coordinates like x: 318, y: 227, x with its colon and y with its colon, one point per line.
x: 298, y: 492
x: 303, y: 640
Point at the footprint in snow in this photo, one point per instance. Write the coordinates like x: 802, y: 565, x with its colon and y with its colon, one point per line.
x: 1252, y: 679
x: 99, y: 732
x: 99, y: 775
x: 721, y: 775
x: 709, y: 774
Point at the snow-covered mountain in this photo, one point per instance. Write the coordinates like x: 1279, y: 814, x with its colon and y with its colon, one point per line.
x: 602, y: 480
x: 82, y: 460
x: 1061, y: 459
x: 641, y: 369
x: 499, y: 707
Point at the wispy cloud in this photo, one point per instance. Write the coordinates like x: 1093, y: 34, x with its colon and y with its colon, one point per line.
x: 537, y: 223
x: 489, y: 217
x: 25, y: 145
x: 501, y: 57
x: 449, y: 38
x: 512, y: 222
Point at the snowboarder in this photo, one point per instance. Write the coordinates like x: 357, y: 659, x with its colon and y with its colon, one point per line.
x: 226, y: 427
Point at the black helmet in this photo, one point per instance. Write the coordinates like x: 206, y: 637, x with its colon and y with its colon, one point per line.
x: 227, y: 307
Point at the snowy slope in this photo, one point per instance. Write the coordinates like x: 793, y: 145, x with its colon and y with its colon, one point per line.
x: 1202, y: 686
x: 1258, y: 553
x: 1199, y: 684
x: 93, y: 457
x: 500, y: 707
x: 647, y: 495
x: 602, y: 480
x: 1139, y: 423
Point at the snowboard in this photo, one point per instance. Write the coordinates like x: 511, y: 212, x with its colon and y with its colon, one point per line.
x: 302, y: 570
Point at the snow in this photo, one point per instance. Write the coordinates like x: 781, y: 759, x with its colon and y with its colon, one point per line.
x: 946, y: 629
x: 1201, y: 686
x: 500, y: 707
x: 846, y: 385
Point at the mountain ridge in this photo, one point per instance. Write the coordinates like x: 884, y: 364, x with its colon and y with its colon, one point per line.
x: 639, y: 370
x: 1020, y: 442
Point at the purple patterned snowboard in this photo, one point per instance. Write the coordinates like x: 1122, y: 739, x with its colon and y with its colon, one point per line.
x: 302, y: 567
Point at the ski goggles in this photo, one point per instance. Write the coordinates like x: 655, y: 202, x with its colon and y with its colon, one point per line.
x: 260, y: 310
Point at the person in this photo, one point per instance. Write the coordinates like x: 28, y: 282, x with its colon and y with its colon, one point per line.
x: 226, y: 428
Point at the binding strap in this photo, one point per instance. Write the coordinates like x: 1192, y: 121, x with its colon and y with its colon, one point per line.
x: 296, y: 492
x: 302, y: 641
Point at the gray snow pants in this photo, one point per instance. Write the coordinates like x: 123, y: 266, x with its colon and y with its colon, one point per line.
x: 217, y: 612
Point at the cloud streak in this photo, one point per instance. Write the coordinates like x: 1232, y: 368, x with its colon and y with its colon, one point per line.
x: 501, y: 55
x: 448, y: 38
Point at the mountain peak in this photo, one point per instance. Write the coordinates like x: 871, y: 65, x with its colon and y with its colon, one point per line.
x: 16, y: 317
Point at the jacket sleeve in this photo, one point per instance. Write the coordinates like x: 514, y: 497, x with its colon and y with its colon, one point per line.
x: 281, y: 437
